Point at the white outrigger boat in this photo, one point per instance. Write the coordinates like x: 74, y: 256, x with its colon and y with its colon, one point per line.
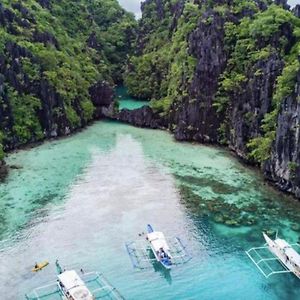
x: 70, y: 286
x: 283, y: 252
x: 287, y: 255
x: 159, y: 246
x: 168, y: 252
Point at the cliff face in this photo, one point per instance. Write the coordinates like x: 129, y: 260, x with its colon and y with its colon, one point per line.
x: 194, y: 116
x: 235, y: 81
x: 58, y: 64
x: 252, y: 103
x: 283, y: 167
x: 142, y: 117
x: 221, y: 71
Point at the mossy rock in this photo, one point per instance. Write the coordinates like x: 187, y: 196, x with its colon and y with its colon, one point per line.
x: 219, y: 219
x: 231, y: 222
x: 250, y: 221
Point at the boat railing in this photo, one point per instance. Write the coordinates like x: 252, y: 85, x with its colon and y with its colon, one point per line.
x: 140, y: 253
x: 43, y: 292
x: 104, y: 285
x: 262, y: 263
x: 96, y: 282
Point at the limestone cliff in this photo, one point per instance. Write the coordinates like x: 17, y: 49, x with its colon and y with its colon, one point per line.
x: 59, y: 61
x: 228, y: 74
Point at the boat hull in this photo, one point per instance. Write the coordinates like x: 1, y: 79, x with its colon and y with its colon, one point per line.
x: 165, y: 265
x: 283, y: 259
x: 157, y: 243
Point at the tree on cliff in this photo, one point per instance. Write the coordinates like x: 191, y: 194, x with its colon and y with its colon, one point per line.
x: 51, y: 54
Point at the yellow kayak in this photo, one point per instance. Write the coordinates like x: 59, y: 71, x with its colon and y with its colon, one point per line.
x: 40, y: 266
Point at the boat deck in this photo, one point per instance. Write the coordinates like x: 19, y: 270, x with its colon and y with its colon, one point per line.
x: 142, y: 257
x: 95, y: 282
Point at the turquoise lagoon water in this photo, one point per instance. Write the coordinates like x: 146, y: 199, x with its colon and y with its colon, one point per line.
x: 81, y: 198
x: 126, y: 101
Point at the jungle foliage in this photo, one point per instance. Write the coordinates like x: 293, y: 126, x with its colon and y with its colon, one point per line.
x: 163, y: 70
x: 157, y: 74
x: 70, y: 45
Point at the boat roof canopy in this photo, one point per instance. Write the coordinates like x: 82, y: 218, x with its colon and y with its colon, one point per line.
x: 155, y: 235
x: 70, y: 279
x: 158, y: 240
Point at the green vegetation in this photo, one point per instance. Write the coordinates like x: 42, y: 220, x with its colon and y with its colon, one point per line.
x: 54, y: 55
x: 261, y: 146
x: 70, y: 46
x: 26, y: 123
x: 157, y: 73
x: 243, y: 40
x: 293, y: 166
x: 163, y: 70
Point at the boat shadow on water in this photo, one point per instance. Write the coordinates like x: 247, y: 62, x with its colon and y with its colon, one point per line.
x: 164, y: 273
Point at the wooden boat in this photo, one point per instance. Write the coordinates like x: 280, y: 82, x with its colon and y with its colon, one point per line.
x: 159, y: 247
x: 40, y: 266
x: 285, y: 253
x: 281, y: 251
x: 72, y: 287
x: 169, y: 252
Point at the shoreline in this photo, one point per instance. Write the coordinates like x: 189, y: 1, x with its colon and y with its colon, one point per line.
x: 250, y: 165
x: 32, y: 145
x: 5, y: 168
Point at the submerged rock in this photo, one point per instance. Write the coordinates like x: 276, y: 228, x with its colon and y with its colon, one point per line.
x: 231, y: 223
x: 15, y: 167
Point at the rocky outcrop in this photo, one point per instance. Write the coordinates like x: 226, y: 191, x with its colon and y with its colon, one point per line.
x: 283, y: 168
x: 46, y: 38
x: 249, y: 107
x: 102, y: 96
x: 25, y: 13
x: 3, y: 171
x: 52, y: 111
x: 296, y: 10
x: 165, y: 13
x: 9, y: 19
x: 282, y: 3
x: 45, y: 3
x: 195, y: 117
x: 141, y: 117
x: 231, y: 95
x: 93, y: 42
x: 49, y: 73
x: 52, y: 114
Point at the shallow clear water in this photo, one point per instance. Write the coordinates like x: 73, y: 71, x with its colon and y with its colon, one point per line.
x: 81, y: 198
x: 126, y: 101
